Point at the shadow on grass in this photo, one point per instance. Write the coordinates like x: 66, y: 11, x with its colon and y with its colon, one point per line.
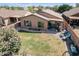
x: 51, y: 32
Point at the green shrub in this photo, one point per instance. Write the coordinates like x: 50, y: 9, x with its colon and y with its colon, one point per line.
x: 9, y: 42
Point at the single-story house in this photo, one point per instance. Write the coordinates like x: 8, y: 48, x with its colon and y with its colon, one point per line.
x: 11, y: 16
x: 44, y: 20
x: 72, y: 16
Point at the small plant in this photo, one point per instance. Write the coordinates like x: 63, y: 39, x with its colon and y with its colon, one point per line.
x: 9, y: 42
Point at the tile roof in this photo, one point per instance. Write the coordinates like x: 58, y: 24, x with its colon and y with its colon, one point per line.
x: 13, y: 13
x: 20, y: 13
x: 51, y: 12
x: 71, y: 11
x: 46, y: 18
x: 74, y: 17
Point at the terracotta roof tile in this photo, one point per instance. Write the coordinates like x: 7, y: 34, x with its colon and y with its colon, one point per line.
x: 71, y: 11
x: 46, y: 18
x: 19, y: 13
x: 52, y: 13
x: 13, y: 13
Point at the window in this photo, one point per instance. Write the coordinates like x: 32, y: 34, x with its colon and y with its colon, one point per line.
x: 27, y: 23
x: 12, y: 20
x: 40, y: 24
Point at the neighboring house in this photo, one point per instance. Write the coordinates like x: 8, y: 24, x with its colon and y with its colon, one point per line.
x: 11, y: 17
x: 45, y: 20
x: 72, y: 16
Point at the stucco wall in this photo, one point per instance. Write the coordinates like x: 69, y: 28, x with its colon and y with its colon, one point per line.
x: 34, y: 20
x: 7, y: 21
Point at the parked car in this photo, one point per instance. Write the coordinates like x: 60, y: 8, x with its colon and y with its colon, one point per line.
x: 62, y: 36
x: 65, y: 34
x: 74, y: 51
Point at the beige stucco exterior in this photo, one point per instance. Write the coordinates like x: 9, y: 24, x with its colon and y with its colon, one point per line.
x: 7, y: 21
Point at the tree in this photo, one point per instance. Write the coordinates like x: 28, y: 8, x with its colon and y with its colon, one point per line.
x: 16, y: 8
x: 9, y: 42
x: 77, y: 4
x: 12, y: 7
x: 5, y: 7
x: 30, y: 8
x: 34, y: 9
x: 55, y: 8
x: 64, y: 7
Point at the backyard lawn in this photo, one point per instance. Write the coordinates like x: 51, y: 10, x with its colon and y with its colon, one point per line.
x: 40, y: 44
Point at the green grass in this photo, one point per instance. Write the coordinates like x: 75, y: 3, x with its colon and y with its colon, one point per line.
x: 40, y: 44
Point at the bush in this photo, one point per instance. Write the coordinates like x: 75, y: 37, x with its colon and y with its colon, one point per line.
x: 9, y: 42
